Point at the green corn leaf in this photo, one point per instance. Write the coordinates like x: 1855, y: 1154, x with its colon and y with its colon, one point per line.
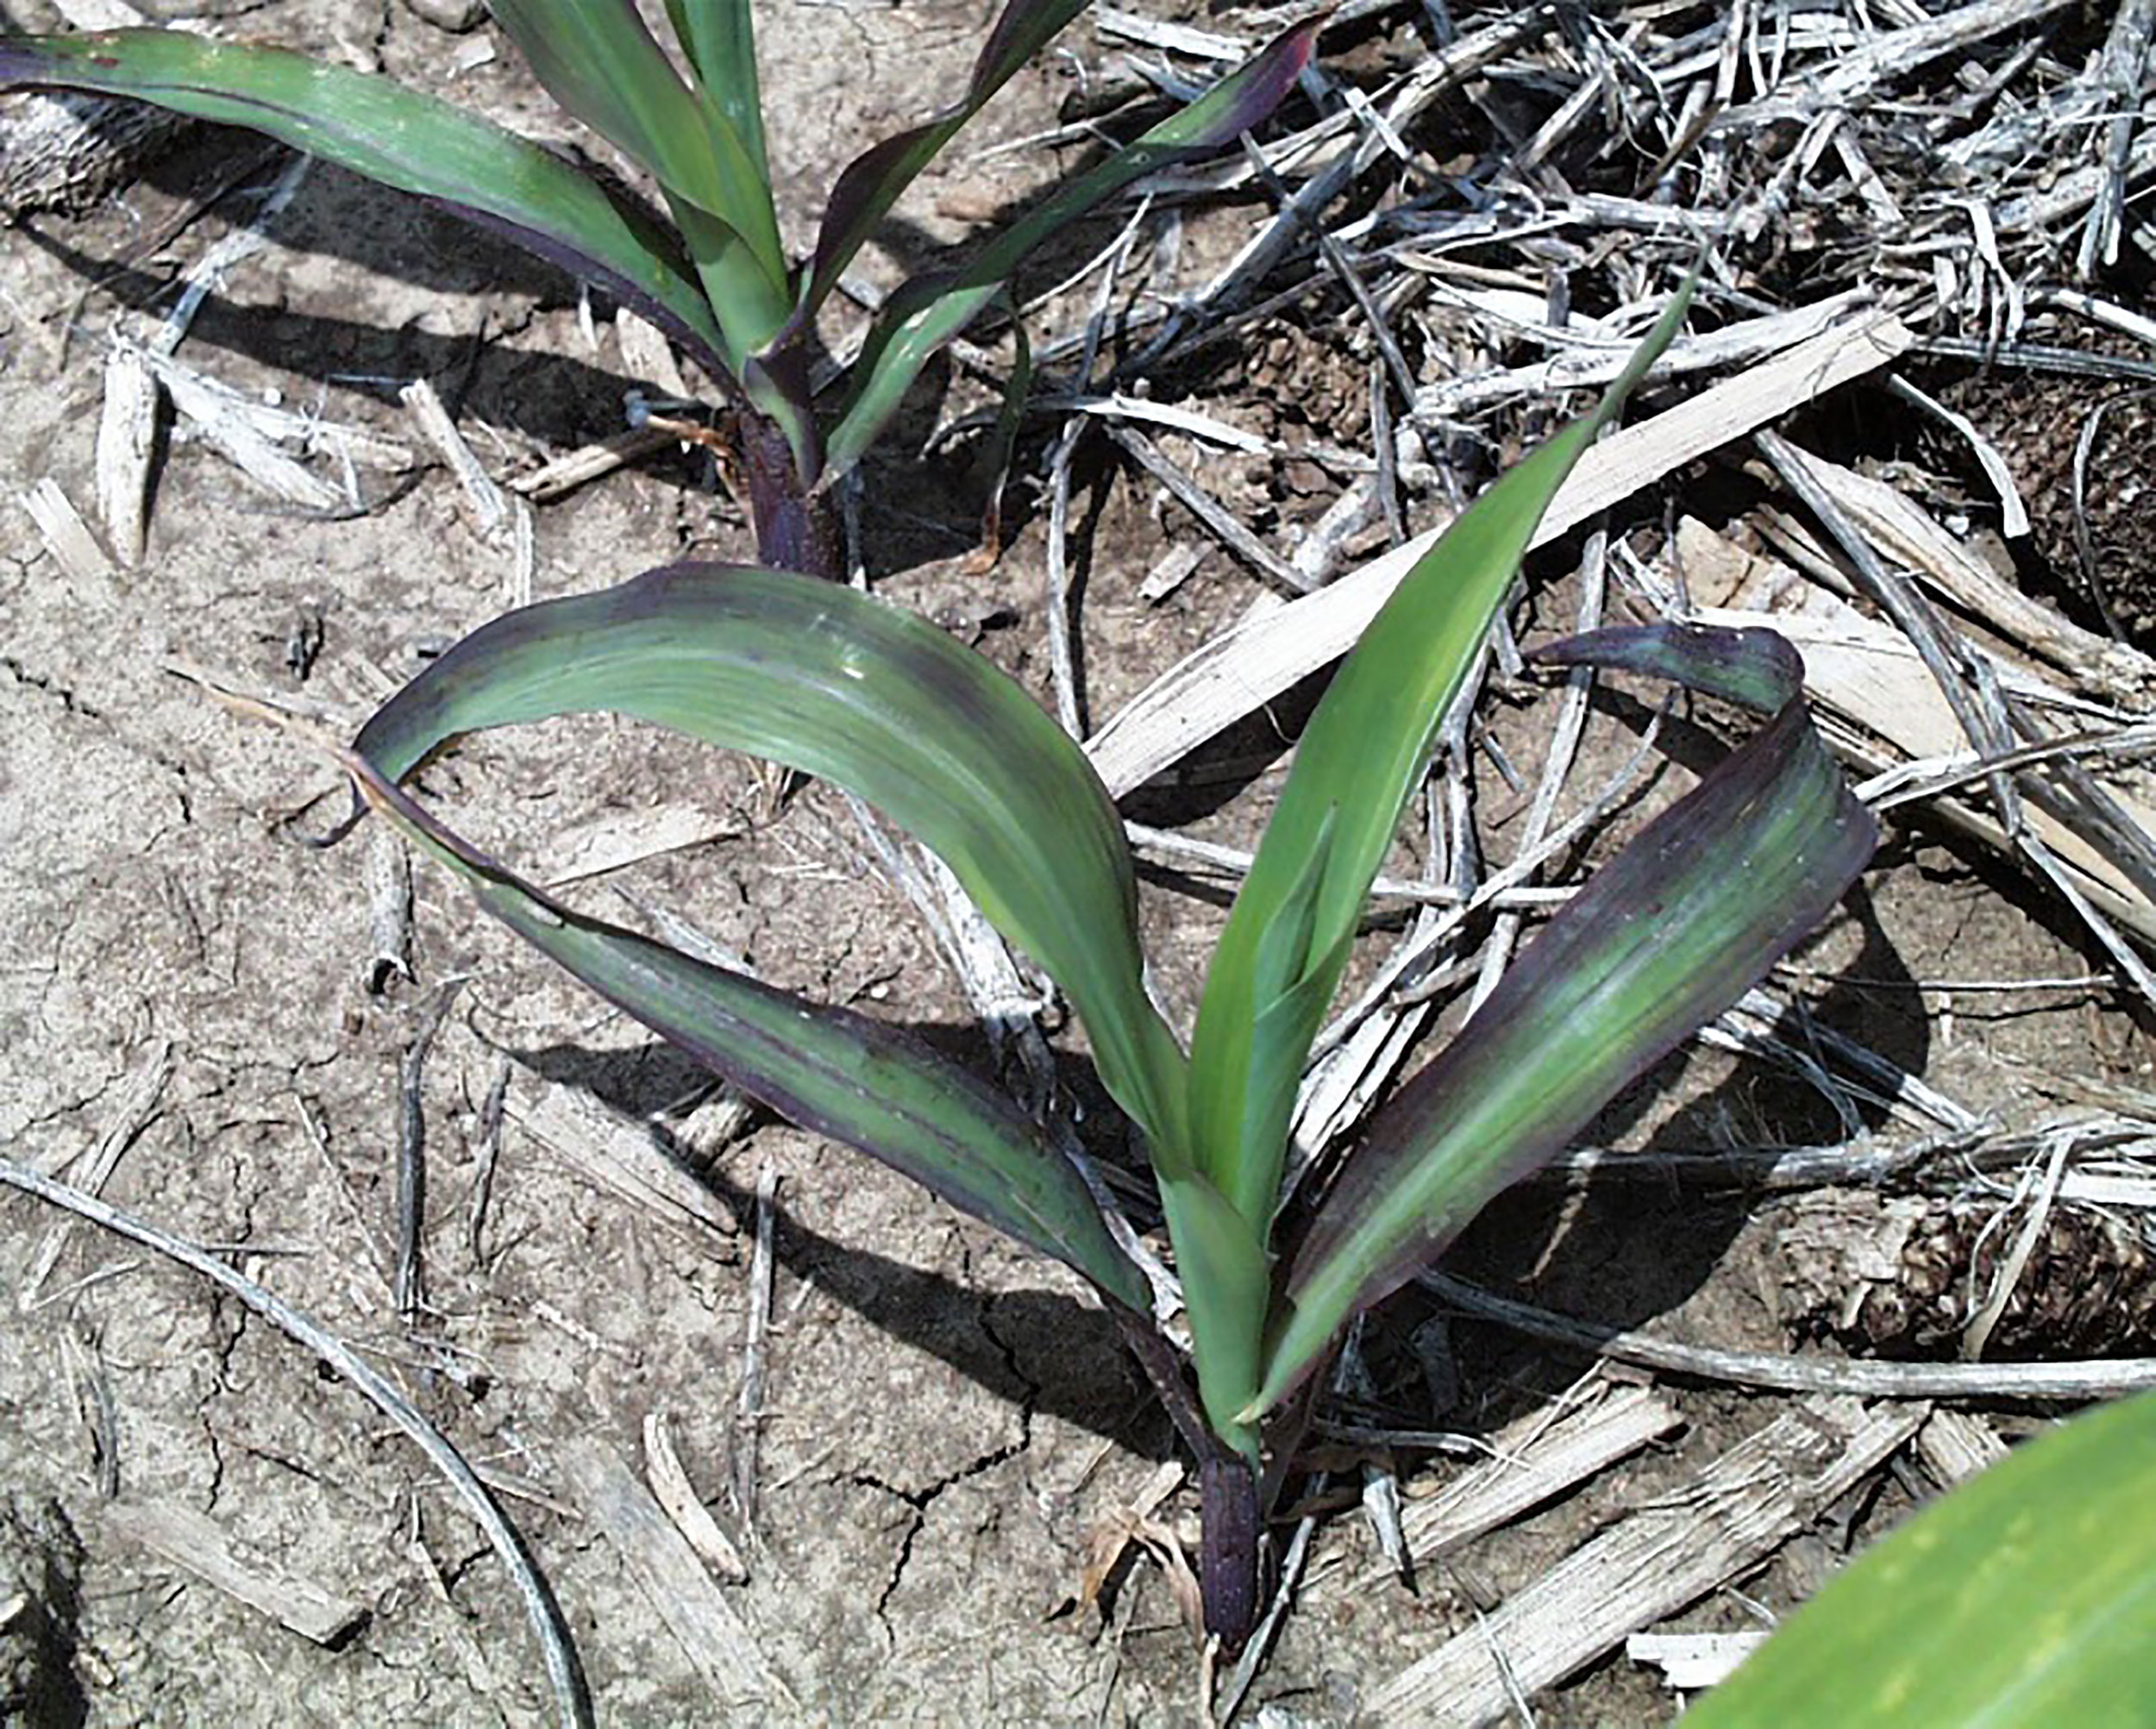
x: 599, y: 61
x: 927, y: 312
x: 1226, y: 1278
x: 2024, y: 1600
x: 832, y: 683
x: 872, y: 182
x: 1688, y: 918
x: 399, y: 137
x: 836, y: 1074
x: 719, y: 38
x: 1356, y: 764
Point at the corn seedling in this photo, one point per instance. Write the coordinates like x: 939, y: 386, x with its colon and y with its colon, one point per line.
x: 717, y: 277
x: 830, y: 682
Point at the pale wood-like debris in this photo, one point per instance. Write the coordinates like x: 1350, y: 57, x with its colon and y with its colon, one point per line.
x: 618, y: 1154
x: 1737, y: 1508
x: 1237, y: 674
x: 1532, y: 1461
x: 670, y: 1485
x: 718, y: 1643
x: 198, y: 1544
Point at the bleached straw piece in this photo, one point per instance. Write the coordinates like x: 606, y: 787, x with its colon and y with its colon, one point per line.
x: 1902, y: 530
x: 670, y: 1485
x: 1247, y: 666
x: 490, y: 510
x: 616, y: 841
x: 1955, y: 1445
x: 139, y: 1105
x: 1532, y: 1460
x: 1690, y: 1662
x: 2013, y: 513
x: 127, y: 437
x: 711, y: 1634
x: 199, y: 1545
x: 1176, y: 39
x: 246, y: 433
x: 1783, y: 1372
x: 588, y: 462
x: 67, y: 536
x: 573, y: 1700
x: 618, y: 1154
x: 2118, y: 82
x: 1738, y: 1509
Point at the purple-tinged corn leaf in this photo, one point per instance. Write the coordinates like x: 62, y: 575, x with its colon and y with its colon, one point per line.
x: 839, y: 1074
x: 719, y: 39
x: 927, y: 312
x: 1356, y: 764
x: 1757, y: 669
x: 828, y: 681
x: 2025, y: 1599
x: 1661, y: 940
x: 994, y: 461
x: 873, y: 181
x: 778, y: 385
x: 600, y: 61
x: 597, y: 59
x: 412, y: 142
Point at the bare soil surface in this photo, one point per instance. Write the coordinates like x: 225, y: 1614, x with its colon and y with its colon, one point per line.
x: 194, y: 1008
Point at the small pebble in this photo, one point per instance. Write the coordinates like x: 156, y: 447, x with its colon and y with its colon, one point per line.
x: 457, y: 16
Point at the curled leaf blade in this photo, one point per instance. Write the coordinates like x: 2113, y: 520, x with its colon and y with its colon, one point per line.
x: 837, y: 685
x: 1677, y: 928
x: 839, y: 1074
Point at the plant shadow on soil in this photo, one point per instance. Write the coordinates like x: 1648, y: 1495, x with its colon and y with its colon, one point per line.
x: 554, y: 397
x: 1071, y: 1344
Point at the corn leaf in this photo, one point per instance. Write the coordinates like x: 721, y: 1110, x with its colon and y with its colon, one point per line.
x: 599, y: 60
x: 836, y: 1074
x: 828, y: 681
x: 1226, y: 1278
x: 2025, y: 1599
x: 719, y: 38
x: 872, y: 182
x: 927, y: 312
x: 1710, y: 895
x: 1356, y: 764
x: 399, y: 137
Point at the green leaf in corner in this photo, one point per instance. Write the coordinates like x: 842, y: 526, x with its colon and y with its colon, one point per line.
x: 2024, y: 1600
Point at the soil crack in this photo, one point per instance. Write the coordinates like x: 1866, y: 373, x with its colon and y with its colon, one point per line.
x: 920, y: 1500
x: 49, y: 686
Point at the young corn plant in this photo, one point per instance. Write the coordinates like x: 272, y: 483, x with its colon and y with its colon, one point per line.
x: 830, y: 682
x: 718, y: 279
